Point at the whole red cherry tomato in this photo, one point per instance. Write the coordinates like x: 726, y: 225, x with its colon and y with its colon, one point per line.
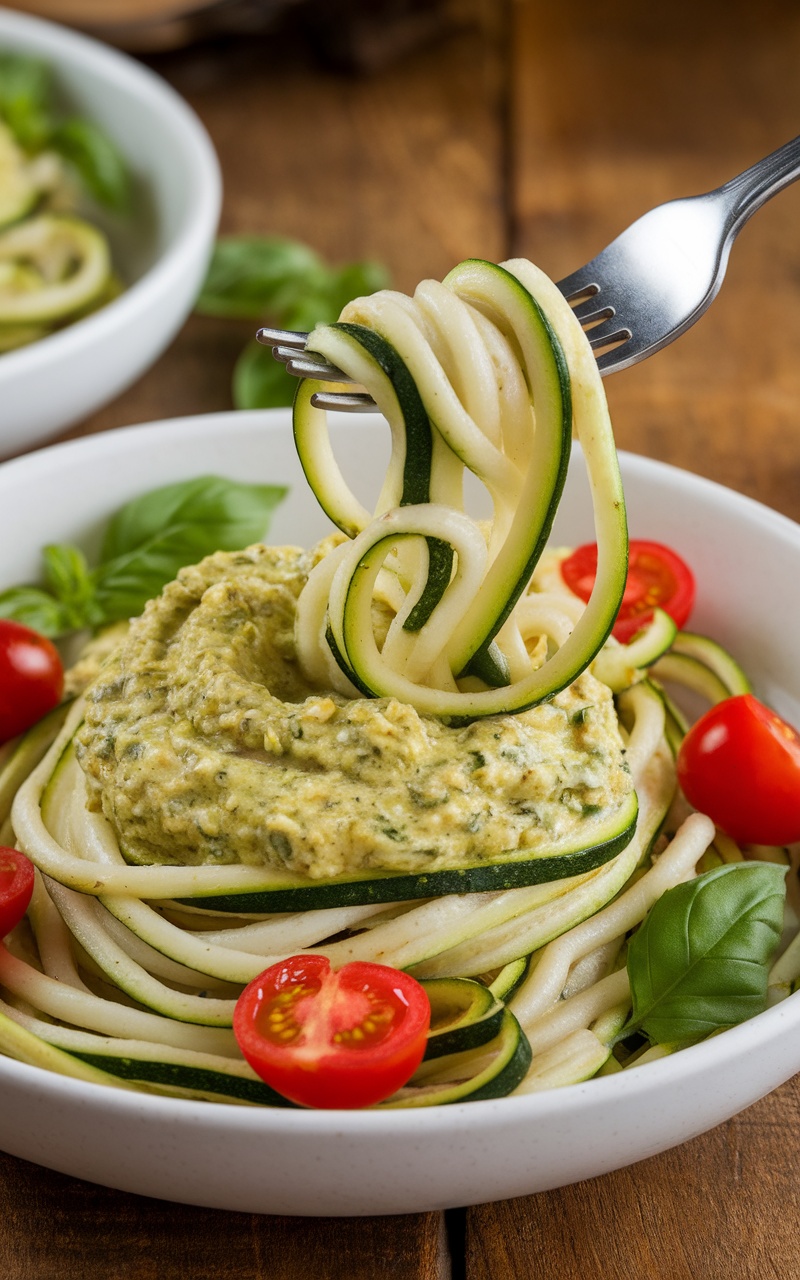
x: 16, y: 887
x: 324, y: 1038
x: 740, y: 764
x: 657, y: 577
x: 31, y: 678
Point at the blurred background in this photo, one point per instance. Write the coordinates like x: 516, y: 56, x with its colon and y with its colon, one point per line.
x: 414, y: 133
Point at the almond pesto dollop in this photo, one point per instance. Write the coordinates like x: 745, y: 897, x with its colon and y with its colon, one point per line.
x: 204, y: 743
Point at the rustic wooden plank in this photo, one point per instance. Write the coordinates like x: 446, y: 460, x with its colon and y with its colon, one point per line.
x: 405, y: 167
x: 58, y: 1226
x: 617, y: 109
x: 716, y: 1208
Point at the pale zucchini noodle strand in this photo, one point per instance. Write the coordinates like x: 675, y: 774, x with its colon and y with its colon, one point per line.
x: 533, y: 331
x: 137, y: 967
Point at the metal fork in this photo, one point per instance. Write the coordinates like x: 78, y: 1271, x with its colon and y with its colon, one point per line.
x: 639, y: 294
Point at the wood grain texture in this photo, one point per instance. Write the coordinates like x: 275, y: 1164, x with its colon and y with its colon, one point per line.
x: 622, y: 106
x: 717, y: 1208
x: 56, y: 1227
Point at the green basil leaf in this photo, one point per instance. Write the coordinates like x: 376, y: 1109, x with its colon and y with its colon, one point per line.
x: 25, y: 90
x: 269, y: 278
x: 67, y: 576
x: 357, y: 280
x: 260, y: 381
x: 66, y: 572
x: 699, y: 962
x: 97, y: 161
x: 35, y: 608
x: 252, y: 277
x: 260, y: 277
x: 154, y: 536
x: 309, y: 310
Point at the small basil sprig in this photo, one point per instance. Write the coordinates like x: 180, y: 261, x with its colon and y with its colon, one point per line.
x: 700, y: 961
x: 145, y: 545
x: 96, y: 160
x: 26, y: 106
x: 25, y: 98
x: 274, y: 280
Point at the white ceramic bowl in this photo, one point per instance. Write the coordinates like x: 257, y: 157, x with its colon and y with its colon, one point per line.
x: 162, y: 252
x: 345, y: 1163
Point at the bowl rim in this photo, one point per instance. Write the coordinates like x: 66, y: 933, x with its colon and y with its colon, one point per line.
x: 198, y: 224
x: 756, y: 1034
x: 570, y: 1100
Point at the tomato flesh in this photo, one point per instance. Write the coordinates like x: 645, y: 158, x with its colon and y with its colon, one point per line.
x: 740, y: 764
x: 16, y: 888
x: 339, y: 1039
x: 31, y: 678
x: 657, y: 578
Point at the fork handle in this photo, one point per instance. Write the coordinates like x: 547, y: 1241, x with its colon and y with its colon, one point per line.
x: 748, y: 191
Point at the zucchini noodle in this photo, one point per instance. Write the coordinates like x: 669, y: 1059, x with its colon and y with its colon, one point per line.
x: 128, y: 971
x: 55, y: 265
x: 530, y: 324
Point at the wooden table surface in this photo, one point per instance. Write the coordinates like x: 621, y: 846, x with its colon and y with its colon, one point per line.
x: 536, y: 129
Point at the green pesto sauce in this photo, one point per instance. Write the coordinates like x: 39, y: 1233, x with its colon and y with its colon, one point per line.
x: 204, y: 743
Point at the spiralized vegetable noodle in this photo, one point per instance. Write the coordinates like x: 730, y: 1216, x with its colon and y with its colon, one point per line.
x: 129, y: 973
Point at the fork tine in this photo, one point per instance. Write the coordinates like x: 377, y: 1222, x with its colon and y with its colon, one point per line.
x: 589, y: 313
x: 615, y: 359
x: 618, y: 338
x: 601, y: 323
x: 312, y: 366
x: 285, y: 354
x: 582, y: 281
x: 355, y: 403
x: 282, y: 338
x: 289, y: 346
x: 663, y: 272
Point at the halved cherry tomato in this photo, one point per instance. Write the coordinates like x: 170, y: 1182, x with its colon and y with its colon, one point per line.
x: 323, y: 1038
x: 16, y: 887
x: 31, y: 678
x: 657, y: 577
x: 740, y: 764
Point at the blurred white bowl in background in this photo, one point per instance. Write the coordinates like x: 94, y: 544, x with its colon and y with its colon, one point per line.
x: 161, y: 251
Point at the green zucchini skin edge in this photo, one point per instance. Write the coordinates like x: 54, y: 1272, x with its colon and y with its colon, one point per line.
x: 479, y: 1022
x: 487, y: 1021
x: 416, y: 467
x: 419, y: 438
x: 482, y: 284
x: 675, y: 723
x: 510, y: 977
x: 514, y: 1069
x: 471, y: 1036
x: 389, y: 887
x: 561, y: 389
x: 418, y: 461
x: 178, y: 1076
x: 26, y: 752
x: 712, y: 655
x: 513, y: 1058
